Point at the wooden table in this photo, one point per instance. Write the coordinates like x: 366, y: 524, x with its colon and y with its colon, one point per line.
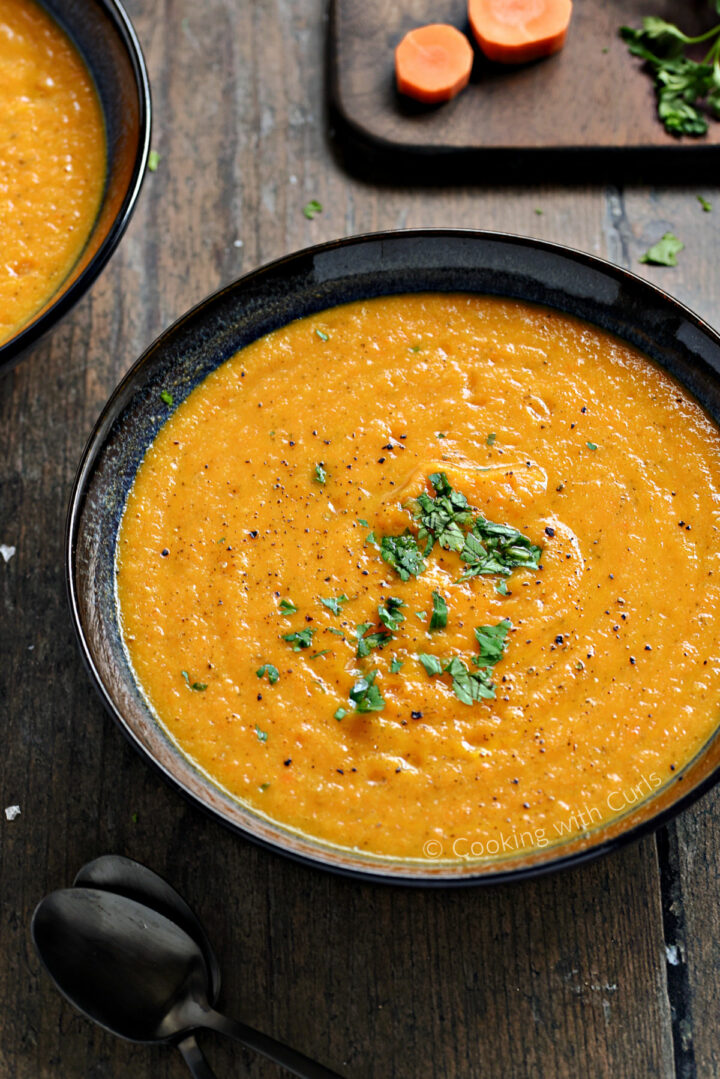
x: 610, y: 970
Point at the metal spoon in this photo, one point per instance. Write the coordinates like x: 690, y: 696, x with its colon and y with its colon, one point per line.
x: 139, y: 975
x: 123, y: 876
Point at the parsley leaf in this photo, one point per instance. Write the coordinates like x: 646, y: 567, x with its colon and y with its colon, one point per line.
x: 490, y: 440
x: 442, y: 518
x: 439, y: 616
x: 366, y: 696
x: 501, y: 588
x: 310, y: 209
x: 396, y: 666
x: 469, y: 687
x: 494, y: 548
x: 492, y: 641
x: 403, y: 554
x: 664, y: 252
x: 322, y: 335
x: 365, y: 644
x: 166, y: 397
x: 272, y: 672
x: 302, y: 638
x: 315, y: 655
x: 390, y: 615
x: 340, y: 713
x: 334, y: 604
x: 197, y: 686
x: 431, y: 663
x: 320, y: 473
x: 261, y: 735
x: 287, y: 606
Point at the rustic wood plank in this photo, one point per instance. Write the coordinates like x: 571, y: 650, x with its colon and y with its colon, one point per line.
x: 560, y: 977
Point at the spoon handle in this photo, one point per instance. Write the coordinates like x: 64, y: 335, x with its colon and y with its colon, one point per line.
x: 288, y: 1058
x: 193, y: 1057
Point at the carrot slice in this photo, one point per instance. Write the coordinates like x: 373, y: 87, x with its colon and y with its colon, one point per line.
x: 516, y: 31
x: 433, y: 63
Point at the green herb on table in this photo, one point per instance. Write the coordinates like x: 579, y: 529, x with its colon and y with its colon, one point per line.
x: 334, y: 604
x: 302, y: 638
x: 166, y: 397
x: 664, y: 252
x: 261, y: 735
x: 312, y: 208
x: 439, y: 616
x: 287, y: 606
x: 403, y: 554
x: 366, y: 696
x: 271, y: 671
x: 707, y: 206
x: 153, y: 160
x: 199, y: 687
x: 320, y: 473
x: 685, y: 89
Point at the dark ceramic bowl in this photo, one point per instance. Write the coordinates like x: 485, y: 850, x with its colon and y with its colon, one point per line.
x: 104, y: 36
x: 307, y: 282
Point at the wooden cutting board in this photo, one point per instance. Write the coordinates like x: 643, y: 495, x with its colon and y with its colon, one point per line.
x: 592, y: 98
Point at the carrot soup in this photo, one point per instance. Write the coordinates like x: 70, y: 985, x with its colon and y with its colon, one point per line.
x: 430, y: 576
x: 52, y: 160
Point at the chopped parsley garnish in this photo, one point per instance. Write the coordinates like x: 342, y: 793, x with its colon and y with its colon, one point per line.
x: 431, y: 663
x: 310, y: 209
x: 337, y: 632
x: 421, y: 615
x: 320, y: 473
x: 271, y: 671
x: 439, y: 616
x: 166, y: 397
x: 443, y: 517
x: 334, y: 604
x: 707, y: 206
x: 501, y: 588
x: 592, y: 445
x: 396, y: 666
x: 492, y: 641
x: 665, y: 251
x: 261, y: 735
x: 363, y: 522
x: 197, y: 686
x: 365, y: 695
x: 490, y: 440
x: 403, y: 554
x: 302, y: 638
x: 322, y: 335
x: 370, y: 538
x: 316, y: 654
x: 153, y: 160
x: 264, y: 787
x: 287, y: 606
x: 682, y: 84
x: 493, y: 548
x: 390, y: 613
x: 377, y: 639
x: 340, y: 714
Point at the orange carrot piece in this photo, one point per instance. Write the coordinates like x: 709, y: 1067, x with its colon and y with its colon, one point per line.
x: 433, y: 63
x: 516, y: 31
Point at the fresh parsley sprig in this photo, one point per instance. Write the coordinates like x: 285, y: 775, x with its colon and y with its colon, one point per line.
x: 497, y: 549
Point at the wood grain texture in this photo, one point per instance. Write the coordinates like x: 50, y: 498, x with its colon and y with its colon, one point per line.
x: 563, y: 977
x: 591, y: 98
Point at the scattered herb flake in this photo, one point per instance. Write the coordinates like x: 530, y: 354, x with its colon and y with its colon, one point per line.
x: 363, y: 522
x: 322, y: 335
x: 334, y: 604
x: 492, y: 641
x: 390, y: 614
x: 707, y: 206
x: 302, y: 638
x: 403, y: 554
x: 439, y: 616
x: 153, y: 160
x: 366, y: 642
x: 310, y: 209
x: 366, y: 696
x: 501, y: 588
x: 340, y: 714
x: 443, y: 516
x: 469, y: 687
x: 591, y: 445
x: 316, y: 654
x: 664, y: 252
x: 287, y: 606
x: 490, y: 440
x: 271, y: 671
x: 336, y: 632
x: 197, y: 686
x: 320, y: 473
x: 396, y: 666
x: 264, y: 787
x: 261, y: 735
x: 496, y: 549
x: 166, y: 397
x: 431, y: 663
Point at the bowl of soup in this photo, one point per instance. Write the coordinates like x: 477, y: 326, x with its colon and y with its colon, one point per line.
x: 74, y: 139
x: 399, y: 555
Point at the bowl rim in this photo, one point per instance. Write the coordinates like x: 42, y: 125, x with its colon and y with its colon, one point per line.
x: 118, y: 399
x: 13, y: 349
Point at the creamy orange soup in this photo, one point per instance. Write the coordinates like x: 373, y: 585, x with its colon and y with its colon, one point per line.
x: 52, y: 160
x: 251, y: 550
